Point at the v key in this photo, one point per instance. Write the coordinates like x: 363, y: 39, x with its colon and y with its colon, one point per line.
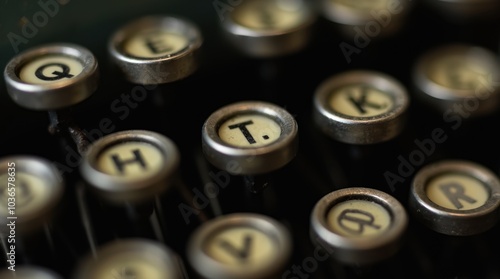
x: 241, y: 254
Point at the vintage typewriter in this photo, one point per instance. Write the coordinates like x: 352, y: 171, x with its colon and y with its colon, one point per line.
x: 250, y: 139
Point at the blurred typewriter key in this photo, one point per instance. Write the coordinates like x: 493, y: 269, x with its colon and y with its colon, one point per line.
x: 458, y: 78
x: 156, y: 49
x: 240, y: 245
x: 31, y: 191
x: 361, y: 107
x: 455, y: 197
x: 359, y: 226
x: 263, y: 28
x: 29, y: 272
x: 52, y: 76
x: 35, y: 185
x: 365, y: 17
x: 131, y: 258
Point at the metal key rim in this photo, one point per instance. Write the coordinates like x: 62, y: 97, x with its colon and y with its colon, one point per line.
x: 55, y: 95
x: 209, y: 267
x: 359, y: 250
x: 361, y: 130
x: 451, y: 221
x: 256, y: 160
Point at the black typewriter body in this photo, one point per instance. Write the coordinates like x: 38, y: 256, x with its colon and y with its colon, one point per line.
x: 225, y: 75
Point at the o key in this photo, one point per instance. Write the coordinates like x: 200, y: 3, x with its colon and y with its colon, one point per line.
x: 456, y: 197
x: 361, y: 107
x: 156, y: 50
x: 52, y: 76
x: 240, y: 245
x: 360, y: 226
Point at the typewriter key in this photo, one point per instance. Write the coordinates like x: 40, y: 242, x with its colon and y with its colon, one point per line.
x: 31, y: 189
x: 360, y: 226
x: 250, y: 137
x: 262, y: 28
x: 156, y: 50
x: 131, y: 258
x: 366, y: 19
x: 52, y: 76
x: 29, y: 272
x: 456, y: 197
x: 130, y: 166
x: 458, y: 79
x: 361, y: 107
x: 240, y: 245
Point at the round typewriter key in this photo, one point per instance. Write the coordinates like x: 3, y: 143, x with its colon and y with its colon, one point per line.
x: 131, y: 258
x: 456, y: 197
x: 263, y: 28
x: 156, y: 49
x: 361, y: 226
x: 368, y: 18
x: 240, y: 245
x: 31, y: 188
x: 52, y: 76
x: 130, y: 166
x: 250, y: 137
x: 29, y: 272
x: 458, y: 79
x: 361, y: 107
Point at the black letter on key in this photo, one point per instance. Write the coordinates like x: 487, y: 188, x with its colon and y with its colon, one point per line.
x: 243, y: 128
x: 241, y: 253
x: 361, y: 102
x: 156, y: 45
x: 121, y: 164
x: 454, y: 192
x: 57, y: 74
x: 362, y: 222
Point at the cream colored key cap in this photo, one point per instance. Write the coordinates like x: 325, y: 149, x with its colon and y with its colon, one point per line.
x: 361, y: 101
x: 130, y: 166
x: 240, y: 245
x: 52, y: 76
x: 358, y: 218
x: 456, y: 197
x: 457, y: 191
x: 360, y: 226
